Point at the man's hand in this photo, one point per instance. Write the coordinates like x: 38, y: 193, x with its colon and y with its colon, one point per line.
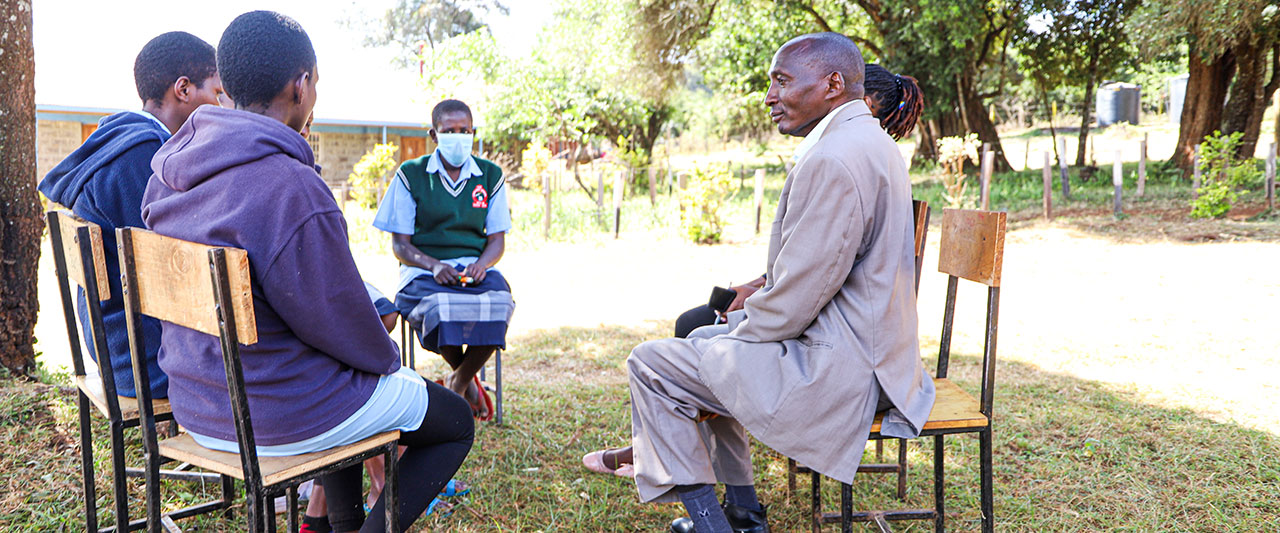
x: 445, y: 274
x: 475, y: 271
x: 740, y: 301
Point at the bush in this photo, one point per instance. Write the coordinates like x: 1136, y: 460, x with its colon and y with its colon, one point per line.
x: 952, y: 154
x: 1221, y: 175
x: 535, y: 162
x: 367, y: 175
x: 708, y: 189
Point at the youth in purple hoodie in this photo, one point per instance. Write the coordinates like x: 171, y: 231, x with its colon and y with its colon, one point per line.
x: 240, y: 179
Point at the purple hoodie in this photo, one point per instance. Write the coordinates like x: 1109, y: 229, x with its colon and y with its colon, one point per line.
x: 235, y: 178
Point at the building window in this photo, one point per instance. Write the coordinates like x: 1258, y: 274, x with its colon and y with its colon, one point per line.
x: 314, y: 141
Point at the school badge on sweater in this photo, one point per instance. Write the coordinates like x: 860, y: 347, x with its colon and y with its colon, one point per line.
x: 479, y: 197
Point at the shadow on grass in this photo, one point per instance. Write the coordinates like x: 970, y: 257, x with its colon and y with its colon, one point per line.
x: 1069, y: 455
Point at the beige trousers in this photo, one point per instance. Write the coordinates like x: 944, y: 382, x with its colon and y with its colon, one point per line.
x: 671, y: 448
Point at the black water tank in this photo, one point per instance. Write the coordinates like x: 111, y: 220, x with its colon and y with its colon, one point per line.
x: 1118, y: 102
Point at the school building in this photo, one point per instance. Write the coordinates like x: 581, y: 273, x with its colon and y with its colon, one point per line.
x: 338, y: 144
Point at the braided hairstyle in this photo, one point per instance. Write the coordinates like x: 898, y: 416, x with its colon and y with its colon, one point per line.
x: 896, y: 100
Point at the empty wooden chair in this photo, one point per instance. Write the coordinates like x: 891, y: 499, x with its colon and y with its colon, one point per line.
x: 79, y: 257
x: 207, y: 289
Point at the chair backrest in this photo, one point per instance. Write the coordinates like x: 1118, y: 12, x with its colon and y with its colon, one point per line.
x: 79, y: 257
x: 201, y: 287
x: 921, y: 210
x: 972, y: 247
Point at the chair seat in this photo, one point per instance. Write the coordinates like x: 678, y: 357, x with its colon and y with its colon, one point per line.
x: 953, y: 408
x: 274, y: 469
x: 92, y: 387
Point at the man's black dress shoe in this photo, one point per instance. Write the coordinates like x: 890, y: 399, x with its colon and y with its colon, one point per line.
x: 741, y: 519
x: 682, y: 525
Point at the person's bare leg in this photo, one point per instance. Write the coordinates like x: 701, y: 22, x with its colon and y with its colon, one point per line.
x: 462, y: 382
x: 452, y: 355
x: 377, y: 476
x: 389, y: 321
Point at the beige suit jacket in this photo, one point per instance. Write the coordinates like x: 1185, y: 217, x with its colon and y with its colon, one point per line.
x: 836, y: 322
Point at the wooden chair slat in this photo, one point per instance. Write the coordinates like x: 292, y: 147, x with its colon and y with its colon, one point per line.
x: 68, y: 226
x: 952, y: 408
x: 972, y: 245
x: 921, y: 210
x: 274, y: 469
x: 92, y: 387
x: 174, y: 285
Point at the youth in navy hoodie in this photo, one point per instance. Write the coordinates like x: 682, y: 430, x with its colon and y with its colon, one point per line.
x: 102, y: 181
x: 240, y: 179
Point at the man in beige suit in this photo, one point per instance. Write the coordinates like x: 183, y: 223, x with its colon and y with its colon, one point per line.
x: 831, y: 338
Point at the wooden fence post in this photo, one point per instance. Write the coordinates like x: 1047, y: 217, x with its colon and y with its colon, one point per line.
x: 346, y: 192
x: 600, y: 189
x: 988, y: 163
x: 1271, y: 177
x: 619, y: 185
x: 759, y: 196
x: 1117, y: 179
x: 1142, y: 166
x: 1195, y: 173
x: 1026, y: 155
x: 1048, y: 187
x: 653, y: 186
x: 682, y: 179
x: 1062, y: 168
x: 546, y: 209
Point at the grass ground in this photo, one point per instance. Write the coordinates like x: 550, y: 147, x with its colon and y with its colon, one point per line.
x: 1135, y: 382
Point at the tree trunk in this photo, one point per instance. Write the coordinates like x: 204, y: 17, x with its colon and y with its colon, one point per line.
x: 1207, y: 84
x: 1085, y: 109
x: 975, y: 116
x: 1250, y: 94
x: 20, y: 223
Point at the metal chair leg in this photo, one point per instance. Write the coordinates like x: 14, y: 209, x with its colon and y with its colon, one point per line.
x: 86, y: 466
x: 269, y: 513
x: 815, y: 492
x: 390, y: 493
x: 791, y: 476
x: 902, y: 469
x: 846, y: 508
x: 228, y: 495
x: 988, y: 499
x: 497, y: 372
x: 293, y: 510
x: 118, y: 477
x: 939, y: 521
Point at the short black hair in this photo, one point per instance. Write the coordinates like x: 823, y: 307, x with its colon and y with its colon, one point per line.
x: 168, y: 57
x: 448, y: 106
x: 260, y: 53
x: 829, y: 52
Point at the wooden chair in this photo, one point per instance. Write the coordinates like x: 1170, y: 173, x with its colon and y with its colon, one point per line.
x: 972, y: 248
x: 163, y: 278
x: 920, y: 208
x: 408, y: 358
x: 79, y: 257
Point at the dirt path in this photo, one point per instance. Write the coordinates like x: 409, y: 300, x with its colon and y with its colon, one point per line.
x: 1188, y: 325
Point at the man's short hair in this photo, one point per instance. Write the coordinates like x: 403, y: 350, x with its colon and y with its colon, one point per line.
x: 260, y: 53
x: 829, y: 52
x: 168, y: 57
x: 448, y: 106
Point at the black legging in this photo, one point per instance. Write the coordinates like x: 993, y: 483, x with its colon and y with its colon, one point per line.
x: 435, y: 451
x: 694, y: 319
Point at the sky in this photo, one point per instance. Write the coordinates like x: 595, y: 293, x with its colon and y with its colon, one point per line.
x: 85, y: 50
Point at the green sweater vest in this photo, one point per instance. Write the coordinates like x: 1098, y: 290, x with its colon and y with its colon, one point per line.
x: 449, y: 227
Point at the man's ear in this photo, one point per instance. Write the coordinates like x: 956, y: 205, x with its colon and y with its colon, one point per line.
x: 835, y: 85
x: 182, y: 89
x: 300, y: 87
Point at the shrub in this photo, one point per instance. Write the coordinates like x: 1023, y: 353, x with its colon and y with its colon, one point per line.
x: 952, y: 154
x: 535, y: 162
x: 708, y: 189
x: 368, y: 174
x: 1221, y: 175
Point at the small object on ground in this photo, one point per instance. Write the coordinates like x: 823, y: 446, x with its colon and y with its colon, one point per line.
x: 452, y: 490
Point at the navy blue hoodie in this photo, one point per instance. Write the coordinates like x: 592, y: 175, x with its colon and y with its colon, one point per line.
x: 102, y: 182
x: 235, y: 178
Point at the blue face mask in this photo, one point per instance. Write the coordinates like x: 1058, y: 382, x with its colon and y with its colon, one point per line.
x: 455, y: 147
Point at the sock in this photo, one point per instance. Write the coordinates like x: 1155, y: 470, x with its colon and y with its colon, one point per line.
x: 743, y: 496
x: 315, y: 524
x: 700, y: 501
